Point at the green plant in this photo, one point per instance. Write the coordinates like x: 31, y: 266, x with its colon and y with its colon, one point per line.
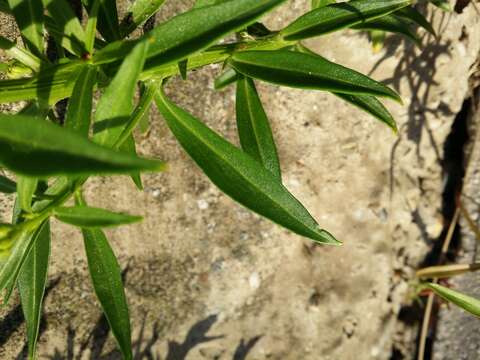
x: 52, y: 157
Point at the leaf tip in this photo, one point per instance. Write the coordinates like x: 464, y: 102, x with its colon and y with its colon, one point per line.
x: 325, y: 237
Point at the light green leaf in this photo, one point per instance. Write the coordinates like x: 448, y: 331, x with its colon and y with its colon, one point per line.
x: 316, y: 4
x: 91, y: 28
x: 29, y: 18
x: 390, y: 23
x: 463, y: 301
x: 22, y: 55
x: 412, y: 14
x: 138, y: 13
x: 116, y: 104
x: 228, y: 77
x: 27, y: 146
x: 307, y: 71
x: 254, y: 129
x: 31, y: 285
x: 107, y: 23
x: 90, y: 217
x: 26, y: 187
x: 73, y: 38
x: 238, y: 175
x: 7, y: 186
x: 338, y: 16
x: 80, y: 104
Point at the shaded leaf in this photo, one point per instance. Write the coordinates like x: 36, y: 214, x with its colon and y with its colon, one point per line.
x: 31, y: 285
x: 26, y: 187
x: 182, y: 67
x: 107, y: 22
x: 254, y: 129
x: 415, y: 16
x: 29, y: 18
x: 7, y: 186
x: 79, y: 110
x: 90, y: 217
x: 338, y: 16
x: 22, y: 55
x: 27, y: 146
x: 321, y: 3
x: 138, y: 13
x: 442, y: 4
x: 306, y: 71
x: 228, y: 77
x: 129, y: 147
x: 463, y: 301
x: 203, y: 3
x: 238, y: 175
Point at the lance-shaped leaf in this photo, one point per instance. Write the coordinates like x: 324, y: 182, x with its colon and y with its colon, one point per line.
x: 90, y: 217
x: 116, y: 104
x: 316, y: 4
x: 91, y: 28
x: 29, y: 18
x: 192, y: 31
x: 79, y: 111
x: 40, y: 148
x: 51, y: 85
x: 7, y: 186
x: 463, y: 301
x: 412, y: 14
x: 73, y: 38
x: 26, y: 187
x: 107, y: 282
x: 228, y: 77
x: 306, y: 71
x: 238, y: 175
x: 107, y: 23
x: 390, y: 23
x: 138, y: 13
x: 254, y: 129
x: 442, y: 4
x: 31, y: 285
x: 129, y: 147
x: 22, y: 55
x: 338, y: 16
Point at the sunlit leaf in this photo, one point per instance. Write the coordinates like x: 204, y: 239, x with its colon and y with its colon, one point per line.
x: 228, y: 77
x: 26, y: 187
x: 22, y: 55
x: 239, y: 175
x: 91, y: 28
x: 138, y: 13
x: 463, y: 301
x: 90, y: 217
x: 321, y: 3
x: 29, y: 18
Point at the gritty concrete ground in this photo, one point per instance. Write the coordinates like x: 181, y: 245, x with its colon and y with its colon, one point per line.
x: 206, y: 279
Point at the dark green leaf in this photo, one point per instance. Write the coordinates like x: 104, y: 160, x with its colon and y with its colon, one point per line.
x: 129, y: 147
x: 29, y: 18
x: 238, y: 175
x: 27, y: 146
x: 182, y: 66
x: 390, y: 23
x: 116, y: 104
x: 414, y: 15
x: 91, y: 28
x: 253, y: 128
x: 306, y: 71
x: 338, y: 16
x: 227, y: 78
x: 321, y: 3
x: 107, y: 282
x: 203, y: 3
x: 107, y: 23
x: 26, y: 187
x: 89, y: 217
x: 31, y: 285
x: 73, y: 35
x: 442, y: 4
x: 7, y: 186
x: 139, y: 13
x: 463, y: 301
x: 80, y: 104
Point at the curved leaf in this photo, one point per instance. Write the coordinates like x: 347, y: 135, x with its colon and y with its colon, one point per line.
x: 138, y: 13
x: 238, y: 175
x: 412, y: 14
x: 307, y: 71
x: 254, y: 129
x: 338, y: 16
x: 90, y: 217
x: 463, y: 301
x: 39, y: 148
x: 392, y: 24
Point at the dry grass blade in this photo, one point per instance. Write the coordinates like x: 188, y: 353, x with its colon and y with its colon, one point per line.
x: 445, y: 271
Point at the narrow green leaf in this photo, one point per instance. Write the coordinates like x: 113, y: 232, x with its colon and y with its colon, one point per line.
x: 29, y: 18
x: 22, y: 55
x: 254, y: 129
x: 390, y: 23
x: 26, y: 187
x: 316, y: 4
x: 238, y: 175
x: 203, y: 3
x: 412, y: 14
x: 31, y: 285
x: 182, y: 67
x: 4, y: 7
x: 129, y: 147
x: 307, y: 71
x: 228, y: 77
x: 371, y: 105
x: 27, y: 146
x: 107, y: 24
x: 338, y: 16
x: 90, y: 217
x: 73, y: 34
x: 116, y: 104
x: 138, y: 13
x: 91, y: 29
x: 442, y: 4
x: 80, y: 104
x: 7, y: 186
x: 463, y: 301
